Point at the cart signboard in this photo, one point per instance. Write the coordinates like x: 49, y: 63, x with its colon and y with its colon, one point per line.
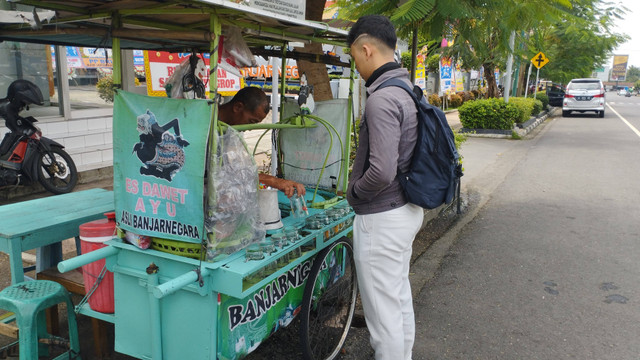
x: 159, y: 148
x: 245, y: 323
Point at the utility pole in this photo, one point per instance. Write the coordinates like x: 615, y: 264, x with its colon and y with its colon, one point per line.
x: 526, y: 87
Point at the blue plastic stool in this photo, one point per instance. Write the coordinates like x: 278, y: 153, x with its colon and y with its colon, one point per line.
x: 27, y: 300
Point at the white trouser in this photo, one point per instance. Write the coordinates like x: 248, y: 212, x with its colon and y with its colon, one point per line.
x: 382, y: 251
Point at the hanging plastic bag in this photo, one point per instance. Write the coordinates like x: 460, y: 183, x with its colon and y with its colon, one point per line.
x: 234, y: 52
x: 187, y: 81
x: 234, y: 219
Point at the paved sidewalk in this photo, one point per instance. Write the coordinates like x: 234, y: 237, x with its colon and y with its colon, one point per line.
x: 453, y: 119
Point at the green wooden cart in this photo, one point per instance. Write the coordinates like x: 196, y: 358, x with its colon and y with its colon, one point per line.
x: 171, y: 306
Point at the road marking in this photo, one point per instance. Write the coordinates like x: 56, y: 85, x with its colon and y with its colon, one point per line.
x: 625, y: 121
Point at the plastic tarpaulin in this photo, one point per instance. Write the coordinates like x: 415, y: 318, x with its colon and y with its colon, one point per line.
x: 305, y: 150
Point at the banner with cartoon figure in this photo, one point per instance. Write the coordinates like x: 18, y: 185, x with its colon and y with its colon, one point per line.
x: 159, y: 148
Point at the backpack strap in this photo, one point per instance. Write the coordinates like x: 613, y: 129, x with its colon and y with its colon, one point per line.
x: 412, y: 92
x: 401, y: 84
x: 417, y: 96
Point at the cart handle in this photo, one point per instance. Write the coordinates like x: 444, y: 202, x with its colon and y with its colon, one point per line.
x: 87, y: 258
x: 178, y: 283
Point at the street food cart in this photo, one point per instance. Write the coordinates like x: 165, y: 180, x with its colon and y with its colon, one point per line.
x: 206, y: 289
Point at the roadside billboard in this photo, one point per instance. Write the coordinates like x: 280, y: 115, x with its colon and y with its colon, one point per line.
x: 619, y: 70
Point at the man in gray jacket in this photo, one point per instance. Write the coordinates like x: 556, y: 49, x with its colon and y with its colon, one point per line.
x: 385, y: 224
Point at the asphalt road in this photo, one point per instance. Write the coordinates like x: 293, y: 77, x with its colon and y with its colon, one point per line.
x: 547, y: 268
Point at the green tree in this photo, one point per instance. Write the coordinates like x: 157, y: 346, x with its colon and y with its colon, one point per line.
x: 633, y: 74
x: 480, y: 28
x: 482, y: 39
x: 580, y: 42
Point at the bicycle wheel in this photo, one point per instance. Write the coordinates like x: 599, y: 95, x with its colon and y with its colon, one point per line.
x: 329, y: 301
x: 57, y: 171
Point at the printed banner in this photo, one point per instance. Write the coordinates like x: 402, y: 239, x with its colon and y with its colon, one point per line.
x: 160, y: 65
x: 159, y: 148
x: 458, y: 76
x: 82, y: 57
x: 265, y: 71
x: 420, y: 72
x: 245, y: 323
x: 445, y: 75
x: 138, y: 60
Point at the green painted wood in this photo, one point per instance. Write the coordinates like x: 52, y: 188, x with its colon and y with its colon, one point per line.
x: 35, y: 223
x: 28, y: 217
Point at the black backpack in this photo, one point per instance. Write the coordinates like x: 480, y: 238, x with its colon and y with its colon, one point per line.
x: 435, y: 169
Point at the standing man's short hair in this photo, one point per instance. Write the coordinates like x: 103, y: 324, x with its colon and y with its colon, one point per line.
x: 377, y: 26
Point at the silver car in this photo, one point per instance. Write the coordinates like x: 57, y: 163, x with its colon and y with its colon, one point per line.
x: 584, y: 95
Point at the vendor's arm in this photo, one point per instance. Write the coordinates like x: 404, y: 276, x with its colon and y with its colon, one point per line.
x: 284, y: 185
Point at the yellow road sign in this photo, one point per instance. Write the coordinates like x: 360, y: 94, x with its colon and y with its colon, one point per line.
x: 539, y: 60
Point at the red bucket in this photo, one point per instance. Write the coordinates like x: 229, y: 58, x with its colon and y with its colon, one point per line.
x: 92, y: 237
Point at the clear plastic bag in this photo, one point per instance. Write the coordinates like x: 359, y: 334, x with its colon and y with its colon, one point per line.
x: 234, y: 220
x: 235, y: 53
x: 186, y: 81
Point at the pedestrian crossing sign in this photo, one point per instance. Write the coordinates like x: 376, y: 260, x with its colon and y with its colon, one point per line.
x: 539, y: 60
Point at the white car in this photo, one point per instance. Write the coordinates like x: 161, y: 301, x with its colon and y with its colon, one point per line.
x: 584, y: 95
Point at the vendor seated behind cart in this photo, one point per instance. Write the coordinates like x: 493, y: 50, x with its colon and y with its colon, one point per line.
x: 250, y: 106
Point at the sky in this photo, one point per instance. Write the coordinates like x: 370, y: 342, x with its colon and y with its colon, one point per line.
x: 629, y: 26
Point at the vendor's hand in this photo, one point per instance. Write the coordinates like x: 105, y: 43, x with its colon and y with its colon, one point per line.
x: 288, y: 186
x: 284, y: 185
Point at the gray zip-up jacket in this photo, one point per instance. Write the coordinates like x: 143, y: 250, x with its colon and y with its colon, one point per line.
x: 388, y: 133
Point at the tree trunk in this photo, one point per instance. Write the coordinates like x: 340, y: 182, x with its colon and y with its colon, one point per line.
x: 316, y: 73
x: 522, y: 81
x: 490, y: 76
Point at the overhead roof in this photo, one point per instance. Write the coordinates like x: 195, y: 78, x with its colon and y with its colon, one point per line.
x: 159, y: 24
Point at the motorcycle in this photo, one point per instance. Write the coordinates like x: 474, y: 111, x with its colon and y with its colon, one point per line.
x: 24, y: 153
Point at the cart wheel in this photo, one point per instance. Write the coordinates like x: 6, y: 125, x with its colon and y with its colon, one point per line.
x: 329, y: 301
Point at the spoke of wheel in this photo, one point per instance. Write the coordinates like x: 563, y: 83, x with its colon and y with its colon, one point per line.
x: 330, y: 318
